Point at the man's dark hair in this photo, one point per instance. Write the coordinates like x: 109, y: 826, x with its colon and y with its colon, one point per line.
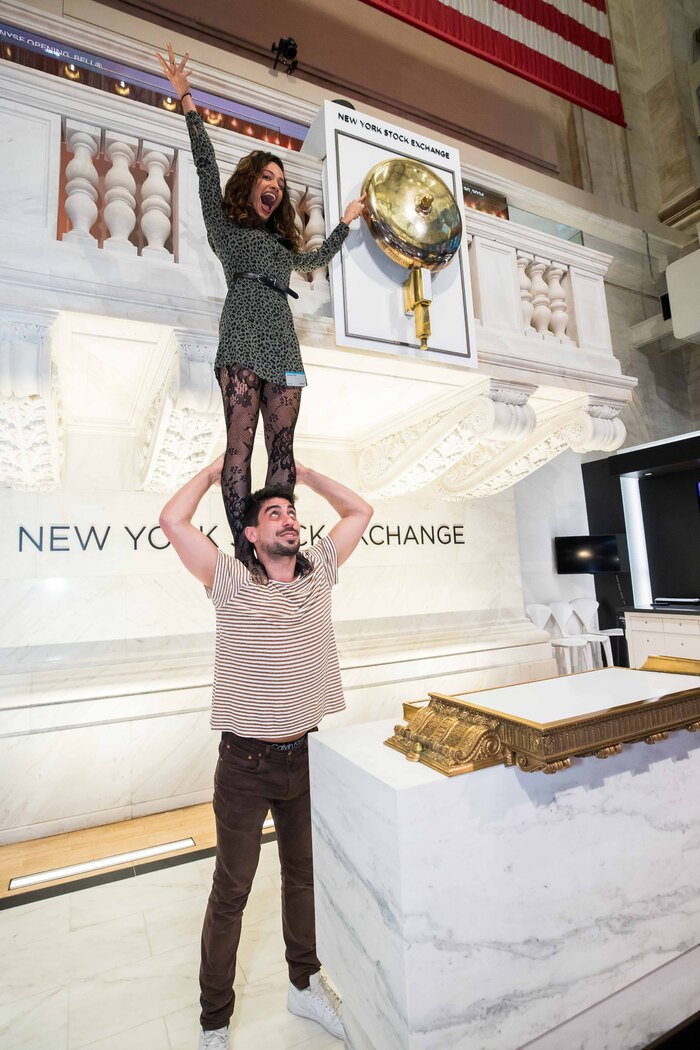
x: 251, y: 513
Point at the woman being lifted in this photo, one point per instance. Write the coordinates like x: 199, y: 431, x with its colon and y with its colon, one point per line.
x: 250, y: 228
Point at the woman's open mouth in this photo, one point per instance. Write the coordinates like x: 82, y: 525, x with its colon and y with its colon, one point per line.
x: 267, y: 202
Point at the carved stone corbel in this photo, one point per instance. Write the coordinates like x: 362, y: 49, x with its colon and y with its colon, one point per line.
x: 597, y: 428
x: 31, y: 427
x: 409, y: 459
x: 186, y: 420
x: 489, y: 469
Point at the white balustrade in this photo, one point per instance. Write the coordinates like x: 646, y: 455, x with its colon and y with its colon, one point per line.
x: 119, y: 208
x: 120, y: 202
x: 560, y: 285
x: 82, y: 179
x: 155, y: 198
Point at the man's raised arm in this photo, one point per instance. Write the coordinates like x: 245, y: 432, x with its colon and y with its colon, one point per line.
x: 355, y: 513
x: 196, y: 552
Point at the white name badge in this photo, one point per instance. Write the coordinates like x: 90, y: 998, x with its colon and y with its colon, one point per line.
x: 295, y: 378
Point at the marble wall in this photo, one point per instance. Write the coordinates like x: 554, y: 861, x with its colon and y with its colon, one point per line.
x: 541, y: 517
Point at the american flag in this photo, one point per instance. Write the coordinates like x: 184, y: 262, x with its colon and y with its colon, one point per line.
x: 562, y: 45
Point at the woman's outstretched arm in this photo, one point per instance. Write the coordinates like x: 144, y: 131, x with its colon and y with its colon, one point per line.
x: 305, y: 262
x: 178, y: 76
x: 202, y: 150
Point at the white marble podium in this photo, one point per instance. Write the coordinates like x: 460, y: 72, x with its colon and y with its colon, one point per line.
x: 501, y: 909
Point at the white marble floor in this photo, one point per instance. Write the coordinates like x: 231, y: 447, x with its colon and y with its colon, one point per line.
x: 115, y: 968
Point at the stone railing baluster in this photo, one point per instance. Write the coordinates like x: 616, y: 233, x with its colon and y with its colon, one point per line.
x: 557, y: 299
x: 541, y: 312
x: 82, y: 180
x: 524, y: 260
x: 296, y: 194
x: 315, y: 235
x: 155, y: 208
x: 120, y: 202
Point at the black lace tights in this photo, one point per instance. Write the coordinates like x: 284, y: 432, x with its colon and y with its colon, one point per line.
x: 246, y: 397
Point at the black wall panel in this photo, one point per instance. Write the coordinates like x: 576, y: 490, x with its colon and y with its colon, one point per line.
x: 672, y: 526
x: 605, y: 516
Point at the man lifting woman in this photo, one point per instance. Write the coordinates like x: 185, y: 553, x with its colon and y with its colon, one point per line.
x: 251, y: 229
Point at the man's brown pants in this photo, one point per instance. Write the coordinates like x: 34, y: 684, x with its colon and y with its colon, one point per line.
x: 251, y: 778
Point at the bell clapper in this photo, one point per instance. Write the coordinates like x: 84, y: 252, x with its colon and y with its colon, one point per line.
x: 417, y: 297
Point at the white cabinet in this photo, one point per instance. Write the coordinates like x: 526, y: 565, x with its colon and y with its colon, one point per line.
x: 654, y: 634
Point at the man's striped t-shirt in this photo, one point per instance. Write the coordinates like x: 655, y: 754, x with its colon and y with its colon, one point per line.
x: 276, y: 671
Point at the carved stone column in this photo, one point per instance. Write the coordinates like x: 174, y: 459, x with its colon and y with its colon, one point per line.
x: 82, y: 179
x: 120, y: 202
x: 31, y: 430
x: 186, y: 420
x: 155, y: 199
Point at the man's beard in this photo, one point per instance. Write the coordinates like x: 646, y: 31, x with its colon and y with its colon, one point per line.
x: 281, y: 550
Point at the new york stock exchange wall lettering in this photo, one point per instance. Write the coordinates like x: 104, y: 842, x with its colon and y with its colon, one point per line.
x: 60, y: 539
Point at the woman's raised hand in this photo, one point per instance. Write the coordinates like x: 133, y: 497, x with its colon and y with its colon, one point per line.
x: 354, y: 209
x: 176, y: 73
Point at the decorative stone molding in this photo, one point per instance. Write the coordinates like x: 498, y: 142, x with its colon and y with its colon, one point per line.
x: 185, y: 421
x: 489, y: 469
x: 31, y: 430
x: 409, y: 459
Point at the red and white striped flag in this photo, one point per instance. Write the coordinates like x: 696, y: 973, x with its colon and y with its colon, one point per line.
x: 562, y: 45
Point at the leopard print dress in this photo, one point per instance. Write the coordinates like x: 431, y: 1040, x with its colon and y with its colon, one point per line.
x: 256, y: 328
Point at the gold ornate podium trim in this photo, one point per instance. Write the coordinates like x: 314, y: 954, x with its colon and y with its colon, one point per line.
x: 455, y: 736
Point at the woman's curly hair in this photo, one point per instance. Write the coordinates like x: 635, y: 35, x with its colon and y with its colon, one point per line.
x: 239, y: 209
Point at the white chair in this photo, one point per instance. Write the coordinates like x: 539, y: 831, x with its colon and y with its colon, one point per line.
x: 568, y: 627
x: 564, y: 647
x: 571, y: 625
x: 586, y: 610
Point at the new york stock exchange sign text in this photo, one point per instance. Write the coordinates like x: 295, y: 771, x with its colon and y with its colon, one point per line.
x: 57, y: 539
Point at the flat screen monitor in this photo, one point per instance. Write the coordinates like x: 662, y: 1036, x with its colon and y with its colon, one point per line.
x: 586, y: 554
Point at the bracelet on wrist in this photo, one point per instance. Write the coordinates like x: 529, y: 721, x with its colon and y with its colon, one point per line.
x: 185, y: 95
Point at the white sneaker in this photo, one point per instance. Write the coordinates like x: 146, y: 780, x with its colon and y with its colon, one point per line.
x: 318, y: 1003
x: 217, y: 1039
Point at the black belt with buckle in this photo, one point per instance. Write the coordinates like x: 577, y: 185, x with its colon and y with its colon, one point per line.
x: 269, y: 282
